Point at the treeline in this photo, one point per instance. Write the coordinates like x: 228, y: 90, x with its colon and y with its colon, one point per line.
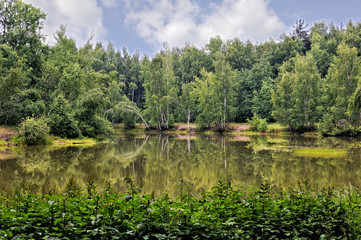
x: 308, y: 80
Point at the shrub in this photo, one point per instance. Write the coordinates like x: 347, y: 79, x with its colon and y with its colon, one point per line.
x: 88, y: 115
x: 257, y: 123
x: 61, y: 120
x: 96, y: 127
x: 224, y: 212
x: 328, y: 127
x: 34, y: 131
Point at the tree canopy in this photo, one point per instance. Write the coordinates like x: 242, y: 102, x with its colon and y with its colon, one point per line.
x: 307, y: 80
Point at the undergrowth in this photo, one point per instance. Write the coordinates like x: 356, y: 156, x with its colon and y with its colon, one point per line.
x: 224, y: 212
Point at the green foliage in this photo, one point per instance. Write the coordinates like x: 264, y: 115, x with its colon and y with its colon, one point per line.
x: 254, y: 91
x: 262, y: 100
x: 241, y: 56
x: 209, y: 110
x: 91, y: 124
x: 297, y: 97
x: 161, y: 92
x: 257, y: 123
x: 225, y: 212
x: 20, y: 28
x: 309, y: 75
x: 341, y: 93
x: 215, y: 94
x: 61, y: 120
x: 34, y: 131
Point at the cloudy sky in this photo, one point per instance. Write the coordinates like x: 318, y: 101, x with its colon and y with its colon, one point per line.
x: 145, y: 24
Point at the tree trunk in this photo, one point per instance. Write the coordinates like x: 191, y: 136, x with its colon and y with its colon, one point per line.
x: 224, y: 111
x: 167, y: 121
x: 188, y: 118
x: 134, y: 110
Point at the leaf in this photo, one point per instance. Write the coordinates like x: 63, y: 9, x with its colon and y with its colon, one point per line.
x: 230, y: 222
x: 58, y: 220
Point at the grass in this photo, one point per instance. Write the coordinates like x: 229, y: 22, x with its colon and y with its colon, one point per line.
x: 3, y: 142
x: 64, y: 141
x: 8, y: 130
x: 9, y: 137
x: 269, y: 147
x: 276, y: 127
x: 7, y: 133
x: 320, y: 152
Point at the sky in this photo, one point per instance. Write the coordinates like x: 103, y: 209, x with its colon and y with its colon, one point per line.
x: 145, y: 25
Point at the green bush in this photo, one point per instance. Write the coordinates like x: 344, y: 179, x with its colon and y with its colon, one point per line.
x: 34, y: 131
x: 257, y: 123
x: 328, y: 127
x: 96, y: 127
x: 88, y: 115
x: 61, y: 120
x: 225, y: 212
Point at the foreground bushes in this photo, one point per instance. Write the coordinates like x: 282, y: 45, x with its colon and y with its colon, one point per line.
x: 257, y: 123
x: 222, y: 213
x: 34, y: 131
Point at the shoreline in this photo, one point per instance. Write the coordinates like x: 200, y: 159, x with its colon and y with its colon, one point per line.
x: 8, y: 134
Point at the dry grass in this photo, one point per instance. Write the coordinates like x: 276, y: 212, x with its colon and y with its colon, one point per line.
x: 7, y: 131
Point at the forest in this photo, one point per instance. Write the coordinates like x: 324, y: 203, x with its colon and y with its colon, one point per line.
x: 308, y: 80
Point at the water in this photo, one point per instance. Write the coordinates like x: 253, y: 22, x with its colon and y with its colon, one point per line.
x: 159, y: 162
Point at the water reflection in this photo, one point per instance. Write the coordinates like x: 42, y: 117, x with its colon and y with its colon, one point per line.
x: 159, y: 162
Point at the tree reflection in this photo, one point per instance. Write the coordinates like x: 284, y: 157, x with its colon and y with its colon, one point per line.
x: 159, y: 162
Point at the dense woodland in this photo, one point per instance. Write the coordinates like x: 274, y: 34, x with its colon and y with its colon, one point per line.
x: 308, y: 80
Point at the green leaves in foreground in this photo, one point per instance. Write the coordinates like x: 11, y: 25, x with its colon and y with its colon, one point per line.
x: 222, y: 213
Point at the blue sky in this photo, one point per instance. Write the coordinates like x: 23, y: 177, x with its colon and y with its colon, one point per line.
x: 145, y: 24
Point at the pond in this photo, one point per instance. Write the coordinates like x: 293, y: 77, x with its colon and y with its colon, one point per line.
x: 159, y: 163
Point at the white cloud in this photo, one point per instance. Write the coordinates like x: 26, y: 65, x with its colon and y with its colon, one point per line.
x: 82, y: 18
x: 109, y: 3
x: 180, y: 21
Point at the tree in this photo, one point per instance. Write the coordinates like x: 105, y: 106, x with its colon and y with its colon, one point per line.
x: 14, y: 78
x: 215, y: 94
x: 127, y: 108
x: 281, y: 52
x: 352, y: 36
x: 226, y: 84
x: 20, y: 28
x: 298, y: 95
x: 302, y: 34
x: 191, y: 61
x: 306, y: 94
x: 187, y: 101
x: 319, y: 52
x: 61, y: 120
x: 340, y: 91
x: 161, y: 89
x: 262, y: 99
x: 215, y: 46
x: 62, y: 73
x: 209, y: 108
x: 89, y: 115
x: 282, y: 96
x: 250, y: 83
x: 241, y: 56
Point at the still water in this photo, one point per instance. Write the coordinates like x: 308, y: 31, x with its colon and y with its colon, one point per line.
x: 159, y: 162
